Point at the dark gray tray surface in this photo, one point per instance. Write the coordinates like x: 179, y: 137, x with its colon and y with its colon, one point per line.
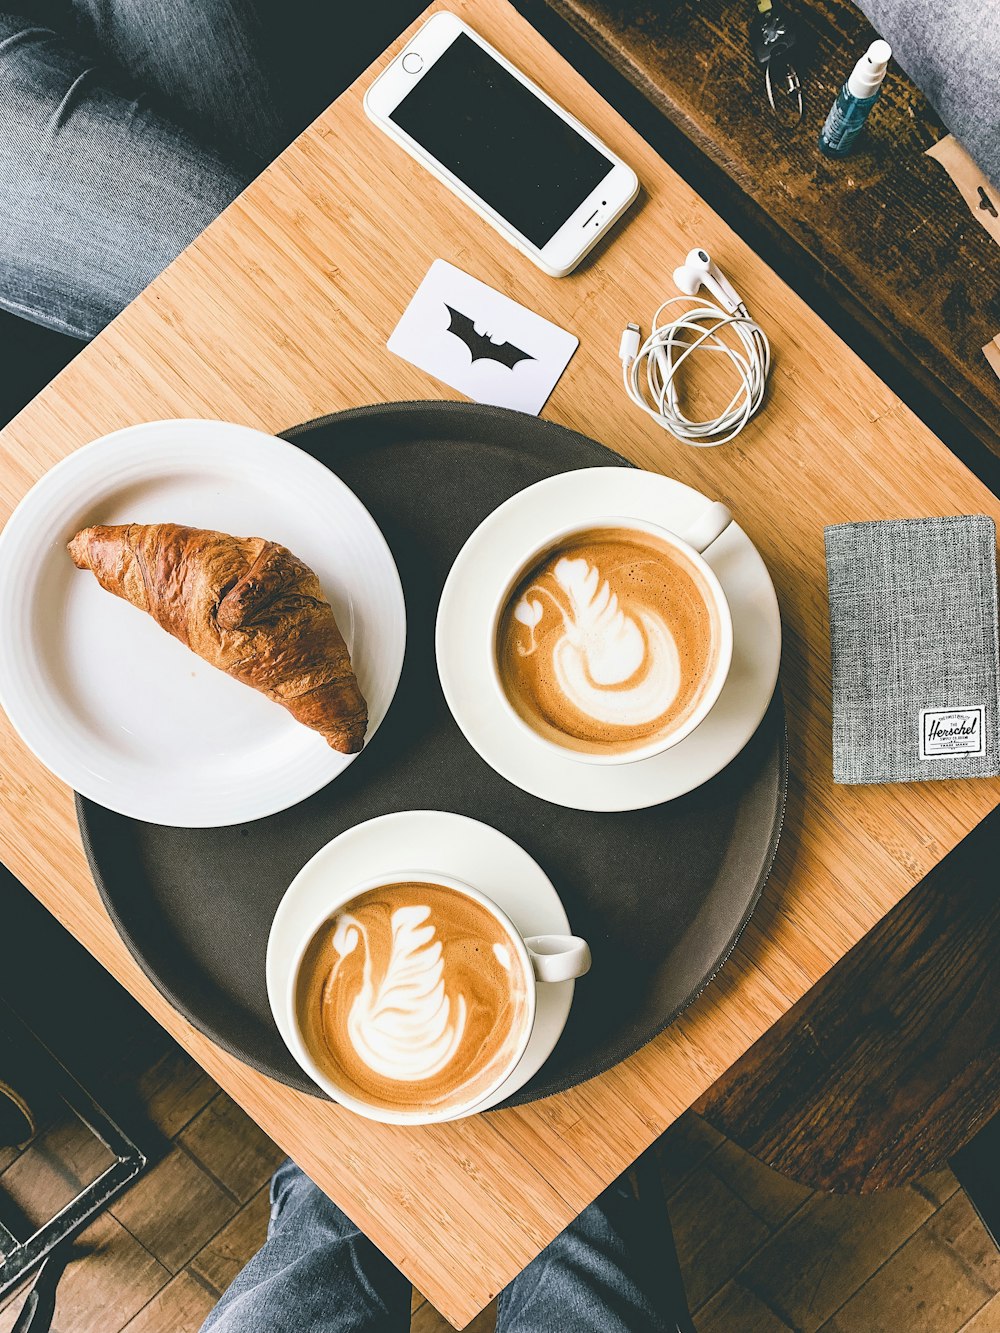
x: 662, y: 894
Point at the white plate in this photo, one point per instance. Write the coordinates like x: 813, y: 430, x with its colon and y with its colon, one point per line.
x: 118, y: 708
x: 463, y: 642
x: 432, y: 840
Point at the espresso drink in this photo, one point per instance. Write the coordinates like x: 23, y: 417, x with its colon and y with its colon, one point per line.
x: 609, y: 642
x: 412, y: 998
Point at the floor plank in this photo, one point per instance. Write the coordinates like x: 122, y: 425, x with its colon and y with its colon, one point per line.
x: 939, y: 1186
x: 102, y: 1291
x: 54, y: 1169
x: 182, y: 1306
x: 224, y: 1139
x: 959, y: 1226
x: 218, y: 1261
x: 715, y: 1233
x: 427, y: 1320
x: 173, y: 1090
x: 986, y: 1320
x: 684, y: 1147
x: 828, y: 1249
x: 930, y: 1262
x: 174, y: 1209
x: 772, y: 1197
x: 736, y: 1309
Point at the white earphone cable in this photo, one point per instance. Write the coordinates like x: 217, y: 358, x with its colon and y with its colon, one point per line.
x: 667, y: 348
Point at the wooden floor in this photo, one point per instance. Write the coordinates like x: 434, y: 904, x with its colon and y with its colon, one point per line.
x: 760, y: 1255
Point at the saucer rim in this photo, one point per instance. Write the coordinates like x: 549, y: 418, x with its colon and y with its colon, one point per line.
x: 537, y: 893
x: 611, y: 787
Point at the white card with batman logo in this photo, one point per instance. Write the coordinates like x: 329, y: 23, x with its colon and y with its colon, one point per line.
x: 480, y: 342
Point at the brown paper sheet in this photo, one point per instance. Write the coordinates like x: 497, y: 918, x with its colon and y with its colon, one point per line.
x: 982, y: 198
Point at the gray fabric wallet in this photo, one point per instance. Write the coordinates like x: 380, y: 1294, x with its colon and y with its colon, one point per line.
x: 913, y: 634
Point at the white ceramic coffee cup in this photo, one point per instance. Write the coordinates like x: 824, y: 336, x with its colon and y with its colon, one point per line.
x: 707, y: 527
x: 544, y: 958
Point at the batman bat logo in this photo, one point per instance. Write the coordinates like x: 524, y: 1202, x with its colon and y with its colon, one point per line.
x: 479, y: 345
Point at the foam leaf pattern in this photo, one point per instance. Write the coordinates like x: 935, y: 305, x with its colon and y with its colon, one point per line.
x: 403, y: 1024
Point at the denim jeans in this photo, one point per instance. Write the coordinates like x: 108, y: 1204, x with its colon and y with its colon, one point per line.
x: 611, y: 1271
x: 126, y: 126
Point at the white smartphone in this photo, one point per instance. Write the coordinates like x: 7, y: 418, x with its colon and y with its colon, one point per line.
x: 543, y: 180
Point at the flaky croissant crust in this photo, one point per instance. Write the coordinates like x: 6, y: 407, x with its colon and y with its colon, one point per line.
x: 245, y: 605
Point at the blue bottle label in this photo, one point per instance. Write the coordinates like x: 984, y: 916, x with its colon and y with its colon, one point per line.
x: 846, y: 120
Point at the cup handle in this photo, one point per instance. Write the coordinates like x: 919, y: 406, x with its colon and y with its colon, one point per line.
x: 710, y: 524
x: 558, y: 957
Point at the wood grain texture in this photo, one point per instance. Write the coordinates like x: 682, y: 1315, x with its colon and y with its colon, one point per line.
x: 951, y: 1258
x: 231, y: 1147
x: 891, y: 1063
x: 279, y: 313
x: 182, y: 1306
x: 115, y: 1280
x: 885, y: 233
x: 174, y: 1210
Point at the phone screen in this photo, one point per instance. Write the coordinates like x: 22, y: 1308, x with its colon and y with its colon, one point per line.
x: 495, y: 135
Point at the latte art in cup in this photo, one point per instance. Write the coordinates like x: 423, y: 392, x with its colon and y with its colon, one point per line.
x: 412, y: 997
x: 608, y: 642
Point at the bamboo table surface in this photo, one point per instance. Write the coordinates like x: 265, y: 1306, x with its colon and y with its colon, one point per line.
x: 279, y: 313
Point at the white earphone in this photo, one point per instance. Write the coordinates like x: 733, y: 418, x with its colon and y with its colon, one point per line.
x: 697, y: 271
x: 670, y: 344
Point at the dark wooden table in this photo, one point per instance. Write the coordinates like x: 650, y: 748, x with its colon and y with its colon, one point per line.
x: 881, y: 243
x: 891, y: 1064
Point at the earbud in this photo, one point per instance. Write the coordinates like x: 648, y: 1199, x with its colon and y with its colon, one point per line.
x: 699, y: 271
x: 651, y: 370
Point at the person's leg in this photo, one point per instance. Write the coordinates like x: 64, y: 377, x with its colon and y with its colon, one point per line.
x: 98, y: 190
x: 252, y: 73
x: 613, y: 1270
x: 315, y: 1273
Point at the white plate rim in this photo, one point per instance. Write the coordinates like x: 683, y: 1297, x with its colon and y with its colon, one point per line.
x: 16, y: 544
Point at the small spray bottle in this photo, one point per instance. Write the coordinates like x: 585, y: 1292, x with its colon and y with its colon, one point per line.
x: 854, y: 101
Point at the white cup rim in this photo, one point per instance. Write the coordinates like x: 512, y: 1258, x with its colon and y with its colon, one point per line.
x: 722, y: 665
x: 369, y: 1110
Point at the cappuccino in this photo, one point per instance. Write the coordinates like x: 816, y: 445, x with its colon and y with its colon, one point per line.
x: 412, y: 997
x: 609, y: 642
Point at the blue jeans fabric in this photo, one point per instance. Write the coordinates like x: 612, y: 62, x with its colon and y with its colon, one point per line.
x: 317, y: 1273
x: 99, y: 191
x: 126, y: 126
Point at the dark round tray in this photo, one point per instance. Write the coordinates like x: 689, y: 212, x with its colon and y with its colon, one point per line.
x: 661, y: 894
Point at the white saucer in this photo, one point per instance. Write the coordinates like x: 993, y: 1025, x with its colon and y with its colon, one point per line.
x: 118, y: 708
x: 463, y: 641
x: 432, y: 840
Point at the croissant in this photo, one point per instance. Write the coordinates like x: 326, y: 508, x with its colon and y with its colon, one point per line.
x: 246, y: 605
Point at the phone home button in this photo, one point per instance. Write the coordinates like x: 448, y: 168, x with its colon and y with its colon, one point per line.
x: 412, y: 62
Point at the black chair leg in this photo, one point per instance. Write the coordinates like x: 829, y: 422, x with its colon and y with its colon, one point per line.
x: 650, y: 1189
x: 977, y: 1167
x: 35, y: 1315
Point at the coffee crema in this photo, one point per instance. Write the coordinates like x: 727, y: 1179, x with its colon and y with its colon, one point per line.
x: 609, y: 641
x: 412, y: 998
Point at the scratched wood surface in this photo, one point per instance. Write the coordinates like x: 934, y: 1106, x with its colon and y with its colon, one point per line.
x: 883, y: 237
x: 279, y: 313
x: 891, y: 1063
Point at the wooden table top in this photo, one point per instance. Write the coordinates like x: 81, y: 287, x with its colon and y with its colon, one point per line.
x: 279, y: 313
